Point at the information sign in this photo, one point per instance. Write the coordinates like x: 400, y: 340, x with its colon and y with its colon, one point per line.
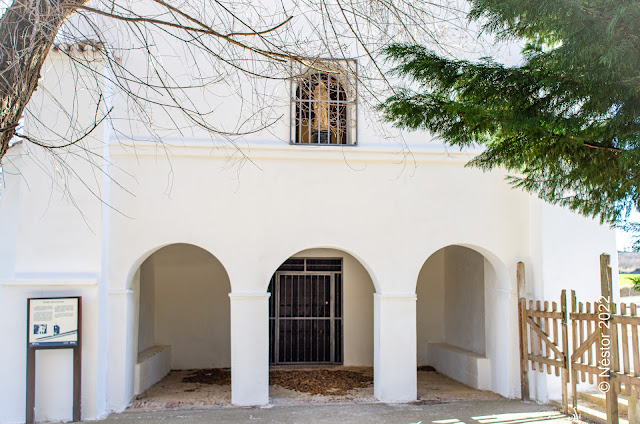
x: 53, y: 322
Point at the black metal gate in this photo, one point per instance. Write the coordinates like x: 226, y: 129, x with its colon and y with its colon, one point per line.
x: 305, y: 312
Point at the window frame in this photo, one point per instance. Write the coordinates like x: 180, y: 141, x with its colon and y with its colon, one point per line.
x: 298, y: 69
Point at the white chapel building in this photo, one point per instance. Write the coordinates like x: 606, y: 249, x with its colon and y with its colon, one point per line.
x: 315, y: 240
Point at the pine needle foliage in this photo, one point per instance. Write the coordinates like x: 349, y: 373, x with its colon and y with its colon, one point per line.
x: 565, y: 123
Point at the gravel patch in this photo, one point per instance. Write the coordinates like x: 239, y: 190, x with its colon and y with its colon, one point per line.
x: 320, y: 381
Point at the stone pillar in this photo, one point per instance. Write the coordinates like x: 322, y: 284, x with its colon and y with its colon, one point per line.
x: 249, y: 348
x: 395, y: 362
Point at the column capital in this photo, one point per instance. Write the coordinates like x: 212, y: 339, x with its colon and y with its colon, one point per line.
x: 123, y: 292
x: 396, y: 296
x: 249, y: 295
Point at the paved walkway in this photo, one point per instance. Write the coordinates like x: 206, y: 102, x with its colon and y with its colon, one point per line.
x: 472, y: 412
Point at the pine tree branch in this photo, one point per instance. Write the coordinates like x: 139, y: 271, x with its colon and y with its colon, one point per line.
x: 599, y: 147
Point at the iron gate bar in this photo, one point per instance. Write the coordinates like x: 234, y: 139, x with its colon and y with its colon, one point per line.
x: 304, y: 317
x: 332, y: 323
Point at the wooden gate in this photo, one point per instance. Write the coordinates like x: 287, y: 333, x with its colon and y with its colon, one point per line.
x: 604, y: 343
x: 543, y: 339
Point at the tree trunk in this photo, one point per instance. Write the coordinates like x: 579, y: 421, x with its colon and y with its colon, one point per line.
x: 27, y: 31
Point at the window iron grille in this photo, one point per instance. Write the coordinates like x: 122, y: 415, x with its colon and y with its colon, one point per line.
x: 324, y: 103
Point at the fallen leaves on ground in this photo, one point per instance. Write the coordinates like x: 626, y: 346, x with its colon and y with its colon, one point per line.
x: 316, y: 382
x: 427, y: 368
x: 219, y: 376
x: 321, y: 381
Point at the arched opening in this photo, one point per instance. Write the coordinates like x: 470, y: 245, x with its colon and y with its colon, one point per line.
x: 462, y: 323
x: 182, y: 322
x: 321, y: 316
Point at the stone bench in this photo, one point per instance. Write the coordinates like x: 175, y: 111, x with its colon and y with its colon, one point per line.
x: 152, y: 365
x: 467, y: 367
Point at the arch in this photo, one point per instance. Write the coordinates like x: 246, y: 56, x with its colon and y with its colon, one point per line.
x: 147, y: 252
x: 496, y: 262
x: 282, y: 257
x: 179, y: 313
x: 481, y: 284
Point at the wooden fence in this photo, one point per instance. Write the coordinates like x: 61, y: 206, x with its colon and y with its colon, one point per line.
x: 604, y: 343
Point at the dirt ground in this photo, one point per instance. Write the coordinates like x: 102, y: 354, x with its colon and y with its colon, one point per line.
x: 194, y: 389
x: 434, y: 387
x: 172, y: 392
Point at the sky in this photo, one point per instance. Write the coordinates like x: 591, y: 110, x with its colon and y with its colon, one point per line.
x: 624, y: 240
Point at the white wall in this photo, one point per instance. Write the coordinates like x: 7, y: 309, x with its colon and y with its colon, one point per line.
x: 450, y: 306
x: 9, y: 212
x: 464, y: 317
x: 430, y: 305
x: 147, y: 301
x: 57, y: 191
x: 565, y: 258
x: 191, y: 307
x: 51, y: 245
x: 501, y: 328
x: 357, y: 306
x: 58, y: 404
x: 272, y: 95
x: 54, y: 368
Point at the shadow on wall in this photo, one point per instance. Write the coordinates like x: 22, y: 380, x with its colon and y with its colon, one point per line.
x: 451, y: 316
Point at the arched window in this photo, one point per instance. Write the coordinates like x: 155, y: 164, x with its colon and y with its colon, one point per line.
x: 323, y: 110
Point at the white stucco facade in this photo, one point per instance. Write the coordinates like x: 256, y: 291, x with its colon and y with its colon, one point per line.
x: 175, y: 238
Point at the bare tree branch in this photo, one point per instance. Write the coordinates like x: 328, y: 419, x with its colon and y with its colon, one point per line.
x: 156, y: 68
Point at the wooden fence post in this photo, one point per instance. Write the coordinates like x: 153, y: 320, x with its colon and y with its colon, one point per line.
x: 633, y: 413
x: 522, y: 317
x: 565, y: 351
x: 607, y: 332
x: 574, y: 338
